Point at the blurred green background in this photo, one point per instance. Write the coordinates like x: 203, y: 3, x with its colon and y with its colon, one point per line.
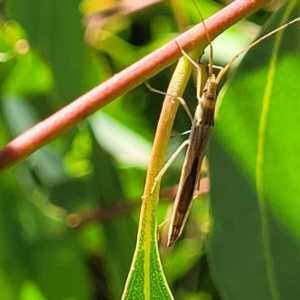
x: 69, y: 213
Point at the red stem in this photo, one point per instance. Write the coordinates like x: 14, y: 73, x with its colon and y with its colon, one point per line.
x: 61, y: 121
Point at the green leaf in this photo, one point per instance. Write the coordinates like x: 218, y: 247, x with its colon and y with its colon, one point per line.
x: 59, y: 268
x: 29, y: 76
x: 55, y: 27
x: 14, y: 250
x: 30, y: 291
x: 22, y: 68
x: 105, y: 190
x: 254, y: 160
x: 146, y: 279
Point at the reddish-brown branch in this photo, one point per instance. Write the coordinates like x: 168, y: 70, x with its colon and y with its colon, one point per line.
x: 47, y: 130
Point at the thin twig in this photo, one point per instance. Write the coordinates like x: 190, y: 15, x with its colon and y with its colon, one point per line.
x: 55, y: 125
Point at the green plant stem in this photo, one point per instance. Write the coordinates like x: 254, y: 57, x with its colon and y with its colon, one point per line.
x: 147, y: 233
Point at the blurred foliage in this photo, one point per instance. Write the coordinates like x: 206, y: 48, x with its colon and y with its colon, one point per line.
x: 69, y: 213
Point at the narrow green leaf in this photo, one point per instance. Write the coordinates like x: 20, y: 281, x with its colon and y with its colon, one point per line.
x: 55, y: 27
x: 146, y: 279
x: 254, y: 159
x: 59, y: 269
x: 106, y: 190
x: 29, y: 76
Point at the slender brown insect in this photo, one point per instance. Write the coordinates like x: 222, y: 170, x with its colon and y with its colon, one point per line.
x: 201, y: 127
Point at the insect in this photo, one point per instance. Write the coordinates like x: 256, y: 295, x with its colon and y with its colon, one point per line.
x: 202, y: 124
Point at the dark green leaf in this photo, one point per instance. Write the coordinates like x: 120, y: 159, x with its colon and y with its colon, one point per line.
x: 254, y: 159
